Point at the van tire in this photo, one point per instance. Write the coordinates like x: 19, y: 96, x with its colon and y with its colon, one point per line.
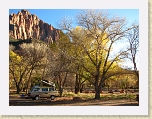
x: 37, y: 97
x: 33, y: 98
x: 52, y: 97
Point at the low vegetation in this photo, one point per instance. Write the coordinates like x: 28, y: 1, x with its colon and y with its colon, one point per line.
x: 102, y: 96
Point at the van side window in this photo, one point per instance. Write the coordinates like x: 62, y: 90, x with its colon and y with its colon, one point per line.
x: 51, y: 89
x: 44, y: 89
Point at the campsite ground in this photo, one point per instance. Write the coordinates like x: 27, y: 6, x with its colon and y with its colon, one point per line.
x: 82, y: 100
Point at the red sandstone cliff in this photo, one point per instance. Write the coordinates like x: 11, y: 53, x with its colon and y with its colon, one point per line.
x: 25, y: 25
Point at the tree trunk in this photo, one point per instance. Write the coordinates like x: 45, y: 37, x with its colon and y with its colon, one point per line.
x: 97, y: 89
x: 59, y: 82
x: 77, y: 88
x: 17, y: 84
x: 97, y: 93
x: 28, y: 87
x: 18, y: 89
x: 81, y: 89
x: 60, y: 91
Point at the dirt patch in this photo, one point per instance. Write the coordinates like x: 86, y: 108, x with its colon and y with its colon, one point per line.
x: 69, y: 101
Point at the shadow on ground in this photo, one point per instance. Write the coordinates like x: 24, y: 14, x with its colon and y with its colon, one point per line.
x: 71, y: 102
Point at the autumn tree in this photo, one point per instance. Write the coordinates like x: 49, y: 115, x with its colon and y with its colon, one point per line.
x: 22, y: 65
x: 17, y: 69
x: 59, y: 61
x: 133, y: 38
x: 97, y: 36
x: 11, y: 82
x: 36, y: 54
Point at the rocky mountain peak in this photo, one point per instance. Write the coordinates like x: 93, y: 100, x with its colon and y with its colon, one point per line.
x: 25, y: 25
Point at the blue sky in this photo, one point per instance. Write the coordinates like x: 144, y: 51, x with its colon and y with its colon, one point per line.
x: 53, y: 16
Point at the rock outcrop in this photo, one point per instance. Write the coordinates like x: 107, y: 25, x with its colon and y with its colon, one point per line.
x: 25, y: 25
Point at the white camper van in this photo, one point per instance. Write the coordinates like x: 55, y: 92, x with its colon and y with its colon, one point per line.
x: 38, y: 92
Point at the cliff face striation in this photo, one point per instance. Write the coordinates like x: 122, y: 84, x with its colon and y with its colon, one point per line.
x: 25, y: 25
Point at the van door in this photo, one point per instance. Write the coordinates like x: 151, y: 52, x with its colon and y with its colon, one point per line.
x: 44, y: 93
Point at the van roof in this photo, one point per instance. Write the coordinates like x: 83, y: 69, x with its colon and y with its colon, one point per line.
x: 44, y: 86
x: 48, y: 84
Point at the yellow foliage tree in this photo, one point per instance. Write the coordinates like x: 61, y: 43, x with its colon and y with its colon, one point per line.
x: 96, y: 35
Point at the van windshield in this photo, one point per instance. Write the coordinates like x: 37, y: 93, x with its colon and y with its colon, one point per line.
x: 35, y: 89
x: 32, y: 89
